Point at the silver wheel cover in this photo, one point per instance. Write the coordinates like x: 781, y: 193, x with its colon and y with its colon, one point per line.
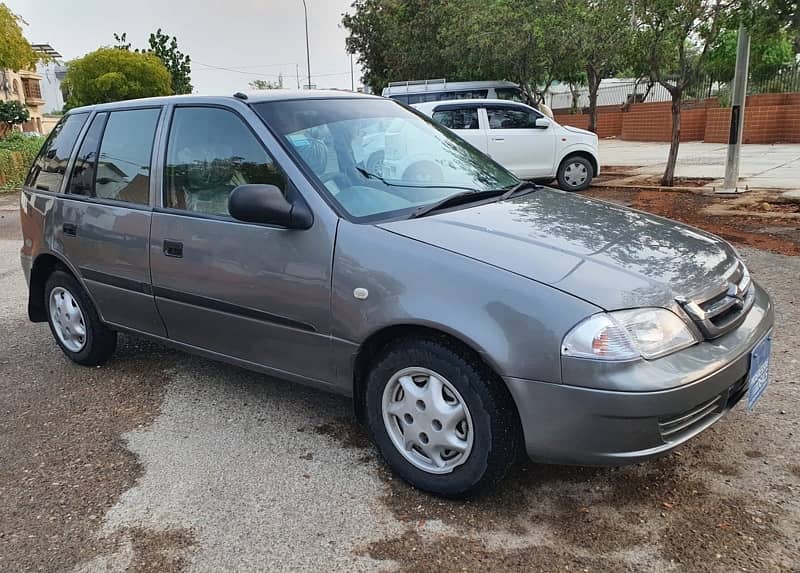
x: 67, y: 319
x: 575, y: 174
x: 427, y: 420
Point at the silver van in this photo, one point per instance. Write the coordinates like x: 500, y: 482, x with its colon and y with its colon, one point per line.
x: 469, y: 314
x: 421, y: 91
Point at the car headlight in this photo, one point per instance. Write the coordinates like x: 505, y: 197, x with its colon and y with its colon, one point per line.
x: 628, y: 334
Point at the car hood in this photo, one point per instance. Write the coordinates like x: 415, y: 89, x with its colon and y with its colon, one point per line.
x: 609, y: 255
x: 578, y: 130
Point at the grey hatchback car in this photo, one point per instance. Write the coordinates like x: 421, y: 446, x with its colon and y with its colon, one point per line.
x: 468, y: 314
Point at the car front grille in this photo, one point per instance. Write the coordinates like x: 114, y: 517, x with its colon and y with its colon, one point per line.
x: 675, y: 428
x: 721, y: 311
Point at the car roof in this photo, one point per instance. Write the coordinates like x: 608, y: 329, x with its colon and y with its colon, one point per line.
x: 433, y: 86
x: 247, y: 97
x: 483, y: 102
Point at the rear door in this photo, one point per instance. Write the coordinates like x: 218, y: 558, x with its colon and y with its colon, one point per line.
x: 516, y: 143
x: 257, y: 293
x: 463, y: 120
x: 104, y: 218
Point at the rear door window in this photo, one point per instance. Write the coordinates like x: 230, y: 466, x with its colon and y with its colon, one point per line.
x: 50, y: 166
x: 123, y: 164
x: 457, y: 118
x: 82, y: 177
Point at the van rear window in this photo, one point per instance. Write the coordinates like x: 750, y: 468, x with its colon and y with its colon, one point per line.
x: 48, y: 170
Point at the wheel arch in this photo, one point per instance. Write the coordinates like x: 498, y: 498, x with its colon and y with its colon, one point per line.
x: 43, y: 266
x: 580, y: 152
x: 379, y: 339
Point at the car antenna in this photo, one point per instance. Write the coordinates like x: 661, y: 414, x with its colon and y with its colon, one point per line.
x: 240, y: 95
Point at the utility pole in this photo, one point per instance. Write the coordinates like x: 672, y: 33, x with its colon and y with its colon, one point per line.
x: 352, y: 79
x: 308, y: 52
x: 737, y: 113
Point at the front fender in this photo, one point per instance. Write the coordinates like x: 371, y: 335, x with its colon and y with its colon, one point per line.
x: 515, y: 323
x: 579, y: 147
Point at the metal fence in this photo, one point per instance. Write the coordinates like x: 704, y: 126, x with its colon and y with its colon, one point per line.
x: 619, y: 91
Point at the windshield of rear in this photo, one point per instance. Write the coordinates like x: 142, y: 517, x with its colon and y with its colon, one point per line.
x: 376, y: 158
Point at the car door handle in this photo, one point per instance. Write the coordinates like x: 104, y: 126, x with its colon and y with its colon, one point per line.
x: 173, y: 249
x: 70, y: 229
x: 498, y: 139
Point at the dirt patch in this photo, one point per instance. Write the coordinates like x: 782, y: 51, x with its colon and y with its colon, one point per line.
x: 63, y: 463
x: 655, y: 181
x: 414, y: 552
x: 159, y: 551
x: 659, y: 507
x: 619, y: 169
x: 768, y: 233
x: 346, y: 431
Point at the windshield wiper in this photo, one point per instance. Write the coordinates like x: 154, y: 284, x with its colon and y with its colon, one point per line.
x: 454, y: 199
x: 521, y: 186
x: 370, y: 175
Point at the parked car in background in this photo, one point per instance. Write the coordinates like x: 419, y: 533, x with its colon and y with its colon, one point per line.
x: 419, y: 91
x: 522, y: 139
x: 469, y: 314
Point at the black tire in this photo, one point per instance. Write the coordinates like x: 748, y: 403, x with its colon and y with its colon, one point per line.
x: 100, y: 341
x: 496, y: 428
x: 565, y: 181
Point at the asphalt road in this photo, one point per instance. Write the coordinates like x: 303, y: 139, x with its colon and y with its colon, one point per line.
x: 160, y: 461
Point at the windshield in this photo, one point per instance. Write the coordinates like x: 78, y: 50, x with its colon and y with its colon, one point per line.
x: 376, y: 158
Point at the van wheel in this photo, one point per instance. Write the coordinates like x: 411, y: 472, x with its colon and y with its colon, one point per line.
x: 575, y: 173
x: 439, y: 419
x: 74, y: 321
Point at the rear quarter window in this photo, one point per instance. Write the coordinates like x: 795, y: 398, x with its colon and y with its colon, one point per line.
x: 50, y: 167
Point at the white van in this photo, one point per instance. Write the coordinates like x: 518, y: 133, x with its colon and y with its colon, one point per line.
x: 521, y: 139
x: 420, y: 91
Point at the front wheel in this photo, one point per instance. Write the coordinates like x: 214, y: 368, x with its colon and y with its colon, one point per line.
x: 440, y: 418
x: 575, y: 173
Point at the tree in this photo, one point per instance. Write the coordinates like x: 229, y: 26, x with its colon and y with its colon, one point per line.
x: 177, y: 63
x: 267, y: 85
x: 769, y: 54
x: 166, y: 49
x: 600, y: 33
x: 398, y: 40
x: 13, y: 112
x: 15, y: 51
x: 673, y: 38
x: 110, y: 74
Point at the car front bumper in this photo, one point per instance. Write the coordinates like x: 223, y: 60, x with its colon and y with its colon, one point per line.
x: 589, y: 420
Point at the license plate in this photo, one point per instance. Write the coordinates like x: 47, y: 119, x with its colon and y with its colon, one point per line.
x: 758, y: 377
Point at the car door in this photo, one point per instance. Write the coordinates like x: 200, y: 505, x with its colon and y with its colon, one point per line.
x: 462, y: 120
x: 106, y: 214
x: 517, y: 143
x: 253, y: 292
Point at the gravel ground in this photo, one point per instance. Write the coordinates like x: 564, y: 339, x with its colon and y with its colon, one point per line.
x: 161, y: 461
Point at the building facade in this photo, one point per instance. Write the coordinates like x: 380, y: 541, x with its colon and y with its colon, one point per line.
x: 27, y: 87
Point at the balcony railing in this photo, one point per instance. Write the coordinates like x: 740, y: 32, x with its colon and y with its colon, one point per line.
x: 31, y: 89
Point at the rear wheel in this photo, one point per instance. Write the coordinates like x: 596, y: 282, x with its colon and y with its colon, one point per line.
x: 575, y: 173
x: 75, y: 323
x: 440, y: 418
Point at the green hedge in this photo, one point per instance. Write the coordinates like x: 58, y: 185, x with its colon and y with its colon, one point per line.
x: 17, y: 152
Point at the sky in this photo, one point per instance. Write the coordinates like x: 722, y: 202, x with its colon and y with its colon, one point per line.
x: 253, y: 39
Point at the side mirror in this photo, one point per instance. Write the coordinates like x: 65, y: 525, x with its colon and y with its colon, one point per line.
x: 267, y: 204
x: 542, y: 123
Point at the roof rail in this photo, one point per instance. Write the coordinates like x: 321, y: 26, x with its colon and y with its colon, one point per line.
x: 417, y: 83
